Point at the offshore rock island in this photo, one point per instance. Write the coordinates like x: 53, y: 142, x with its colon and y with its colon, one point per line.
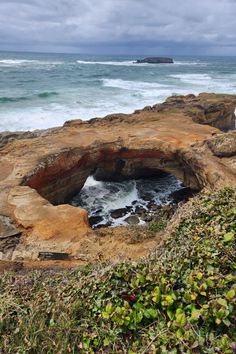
x: 189, y: 136
x: 155, y: 60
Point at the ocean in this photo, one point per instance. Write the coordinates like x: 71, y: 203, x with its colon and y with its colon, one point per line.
x: 39, y: 91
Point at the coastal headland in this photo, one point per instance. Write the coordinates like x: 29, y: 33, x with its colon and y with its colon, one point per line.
x: 191, y: 137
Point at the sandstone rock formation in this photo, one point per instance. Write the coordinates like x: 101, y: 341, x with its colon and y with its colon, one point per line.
x: 40, y: 172
x: 155, y: 60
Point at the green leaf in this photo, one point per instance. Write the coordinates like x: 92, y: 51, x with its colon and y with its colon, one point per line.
x: 105, y: 315
x: 229, y: 236
x: 179, y: 334
x: 181, y: 319
x: 222, y: 302
x: 179, y: 311
x: 195, y: 314
x: 109, y: 308
x: 156, y: 295
x: 227, y: 322
x: 150, y: 313
x: 230, y: 294
x: 106, y: 342
x: 199, y: 275
x: 139, y: 317
x: 170, y: 314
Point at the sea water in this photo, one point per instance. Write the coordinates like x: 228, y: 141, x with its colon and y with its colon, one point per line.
x: 100, y: 199
x: 39, y: 91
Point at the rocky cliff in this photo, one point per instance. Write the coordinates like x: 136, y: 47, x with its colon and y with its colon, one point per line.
x: 41, y: 171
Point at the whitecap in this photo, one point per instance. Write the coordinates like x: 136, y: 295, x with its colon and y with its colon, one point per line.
x: 131, y: 85
x: 24, y: 62
x: 190, y: 63
x: 116, y: 63
x: 122, y: 63
x: 202, y: 79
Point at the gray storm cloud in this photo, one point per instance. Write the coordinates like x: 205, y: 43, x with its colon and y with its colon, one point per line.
x: 177, y: 26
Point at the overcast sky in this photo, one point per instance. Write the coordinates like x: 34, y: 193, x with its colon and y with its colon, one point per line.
x: 119, y: 26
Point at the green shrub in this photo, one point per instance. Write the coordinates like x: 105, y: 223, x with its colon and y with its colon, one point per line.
x: 182, y: 299
x: 157, y: 226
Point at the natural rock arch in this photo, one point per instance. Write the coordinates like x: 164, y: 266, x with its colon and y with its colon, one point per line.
x: 59, y: 179
x: 39, y: 171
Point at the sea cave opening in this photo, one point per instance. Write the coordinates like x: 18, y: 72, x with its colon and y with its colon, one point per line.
x: 136, y: 201
x: 124, y: 187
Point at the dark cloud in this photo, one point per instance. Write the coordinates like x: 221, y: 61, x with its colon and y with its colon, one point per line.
x: 119, y: 26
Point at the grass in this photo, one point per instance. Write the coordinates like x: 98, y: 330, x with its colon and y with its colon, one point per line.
x: 181, y: 299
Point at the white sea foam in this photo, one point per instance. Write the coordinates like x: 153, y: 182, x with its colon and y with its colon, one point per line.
x: 202, y: 79
x: 24, y: 62
x: 91, y: 182
x: 55, y: 114
x: 119, y: 63
x: 131, y: 85
x: 11, y: 62
x: 100, y: 198
x: 199, y: 63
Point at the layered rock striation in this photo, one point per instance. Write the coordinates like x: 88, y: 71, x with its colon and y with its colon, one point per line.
x: 42, y: 170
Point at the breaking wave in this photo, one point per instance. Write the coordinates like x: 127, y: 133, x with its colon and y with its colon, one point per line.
x: 24, y: 62
x: 131, y: 85
x: 119, y: 63
x: 101, y: 198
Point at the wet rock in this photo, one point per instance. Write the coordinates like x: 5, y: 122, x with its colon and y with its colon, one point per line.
x: 140, y: 210
x: 147, y: 197
x: 182, y: 194
x: 147, y: 217
x: 155, y: 60
x: 118, y: 213
x: 94, y: 220
x: 132, y: 220
x: 155, y: 207
x: 107, y: 224
x: 98, y: 211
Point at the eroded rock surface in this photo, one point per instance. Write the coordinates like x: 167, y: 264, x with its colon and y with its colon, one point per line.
x: 40, y: 171
x: 224, y: 145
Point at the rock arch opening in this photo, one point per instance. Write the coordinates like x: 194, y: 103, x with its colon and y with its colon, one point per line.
x: 60, y: 178
x: 130, y: 201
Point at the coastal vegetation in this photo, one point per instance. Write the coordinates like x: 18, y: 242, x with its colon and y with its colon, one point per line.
x: 180, y: 299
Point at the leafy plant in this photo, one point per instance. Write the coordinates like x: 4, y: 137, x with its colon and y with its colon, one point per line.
x: 181, y: 299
